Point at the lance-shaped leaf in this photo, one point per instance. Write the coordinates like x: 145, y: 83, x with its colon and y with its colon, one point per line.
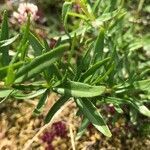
x: 96, y: 6
x: 133, y: 103
x: 4, y: 70
x: 141, y: 85
x: 40, y: 63
x: 93, y: 69
x: 90, y: 111
x: 5, y: 92
x: 65, y: 9
x: 7, y: 42
x: 10, y: 76
x: 141, y: 108
x: 36, y: 44
x: 77, y: 15
x: 78, y: 89
x: 99, y: 45
x: 25, y: 35
x: 29, y: 96
x: 102, y: 77
x: 57, y: 105
x: 82, y: 128
x: 4, y: 36
x: 41, y: 102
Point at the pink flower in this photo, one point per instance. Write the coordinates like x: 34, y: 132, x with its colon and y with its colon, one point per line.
x: 24, y: 10
x: 60, y: 129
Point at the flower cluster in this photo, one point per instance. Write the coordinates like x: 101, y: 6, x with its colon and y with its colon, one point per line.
x: 48, y: 137
x: 58, y: 129
x: 24, y: 10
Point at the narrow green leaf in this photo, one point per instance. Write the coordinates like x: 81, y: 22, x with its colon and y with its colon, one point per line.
x: 4, y: 70
x: 134, y: 103
x: 77, y: 15
x: 110, y: 15
x: 84, y: 64
x: 41, y: 102
x: 7, y: 42
x: 5, y: 92
x: 22, y: 44
x: 99, y: 45
x: 30, y: 86
x: 97, y: 22
x: 65, y: 9
x: 58, y: 104
x: 143, y: 109
x: 36, y: 44
x: 78, y: 32
x: 4, y: 27
x: 46, y: 45
x: 82, y: 128
x: 78, y: 89
x: 90, y: 111
x: 24, y: 50
x: 29, y: 96
x: 102, y: 77
x: 40, y: 63
x: 118, y: 108
x: 96, y: 6
x: 4, y: 36
x: 114, y: 100
x: 72, y: 50
x: 10, y: 76
x: 25, y: 36
x: 142, y: 85
x: 85, y: 7
x: 93, y: 69
x: 113, y: 5
x: 86, y: 60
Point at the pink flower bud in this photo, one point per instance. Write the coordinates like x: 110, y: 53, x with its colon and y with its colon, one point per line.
x: 24, y: 10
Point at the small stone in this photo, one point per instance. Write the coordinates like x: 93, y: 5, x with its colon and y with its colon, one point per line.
x: 63, y: 146
x: 97, y: 136
x: 93, y: 138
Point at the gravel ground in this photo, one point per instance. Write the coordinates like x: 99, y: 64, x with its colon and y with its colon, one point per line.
x: 21, y: 130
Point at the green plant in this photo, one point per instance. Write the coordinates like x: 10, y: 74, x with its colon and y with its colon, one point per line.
x: 95, y: 62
